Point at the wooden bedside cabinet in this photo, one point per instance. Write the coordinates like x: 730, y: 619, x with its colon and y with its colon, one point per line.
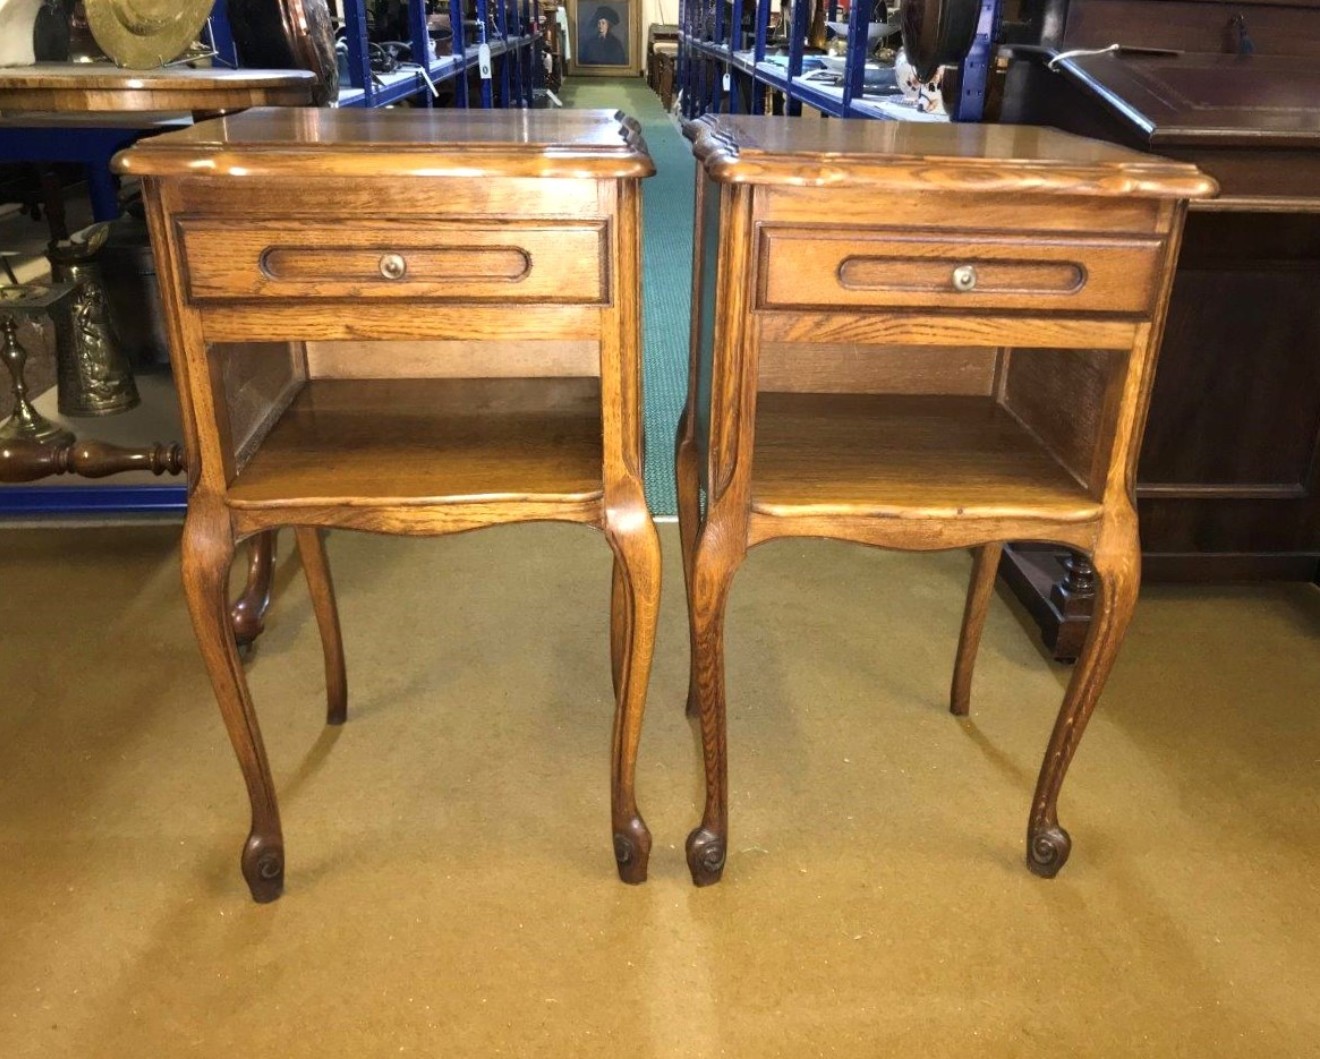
x: 405, y: 322
x: 919, y: 337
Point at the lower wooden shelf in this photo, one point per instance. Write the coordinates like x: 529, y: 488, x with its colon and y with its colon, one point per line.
x: 906, y: 456
x: 435, y: 440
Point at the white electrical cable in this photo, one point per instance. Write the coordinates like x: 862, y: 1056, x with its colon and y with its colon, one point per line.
x: 1080, y: 51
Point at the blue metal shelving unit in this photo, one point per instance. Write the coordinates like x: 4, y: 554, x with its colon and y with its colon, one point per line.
x: 512, y: 43
x: 720, y: 64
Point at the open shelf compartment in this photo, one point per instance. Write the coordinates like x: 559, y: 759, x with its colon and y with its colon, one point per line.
x: 429, y: 439
x: 906, y: 456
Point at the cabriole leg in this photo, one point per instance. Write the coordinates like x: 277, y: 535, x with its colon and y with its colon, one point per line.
x: 635, y: 606
x: 1118, y: 576
x: 208, y: 550
x: 985, y: 565
x: 619, y: 617
x: 712, y: 577
x: 316, y: 568
x: 687, y: 470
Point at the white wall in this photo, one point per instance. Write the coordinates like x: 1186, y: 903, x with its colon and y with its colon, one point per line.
x: 657, y: 11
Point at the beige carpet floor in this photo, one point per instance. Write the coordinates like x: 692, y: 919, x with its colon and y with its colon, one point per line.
x: 450, y: 886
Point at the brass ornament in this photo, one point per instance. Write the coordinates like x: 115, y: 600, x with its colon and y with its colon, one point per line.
x: 94, y: 378
x: 146, y: 34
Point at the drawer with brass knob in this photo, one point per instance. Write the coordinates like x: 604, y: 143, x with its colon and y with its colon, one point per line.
x: 802, y: 268
x: 540, y: 262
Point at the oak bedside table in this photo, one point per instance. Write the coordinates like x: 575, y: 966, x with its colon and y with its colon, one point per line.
x: 405, y: 322
x: 920, y: 337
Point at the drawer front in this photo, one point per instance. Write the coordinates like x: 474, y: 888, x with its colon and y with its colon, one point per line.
x: 805, y: 269
x: 486, y: 261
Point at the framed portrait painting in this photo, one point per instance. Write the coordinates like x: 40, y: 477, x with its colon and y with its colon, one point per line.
x: 605, y: 37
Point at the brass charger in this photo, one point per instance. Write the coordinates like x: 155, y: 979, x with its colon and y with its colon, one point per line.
x: 145, y: 34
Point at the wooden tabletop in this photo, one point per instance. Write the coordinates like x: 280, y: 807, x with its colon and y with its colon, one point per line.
x: 909, y: 156
x: 1208, y: 100
x: 591, y: 144
x: 100, y: 87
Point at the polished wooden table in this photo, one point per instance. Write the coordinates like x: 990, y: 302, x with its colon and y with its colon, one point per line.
x: 413, y: 323
x: 85, y: 112
x: 83, y: 88
x: 920, y: 337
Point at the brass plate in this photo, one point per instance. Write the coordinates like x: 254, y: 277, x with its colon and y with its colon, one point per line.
x: 145, y: 34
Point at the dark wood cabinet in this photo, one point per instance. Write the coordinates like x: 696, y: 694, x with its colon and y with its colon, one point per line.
x: 1229, y: 478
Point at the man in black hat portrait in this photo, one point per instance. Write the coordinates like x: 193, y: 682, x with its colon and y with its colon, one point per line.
x: 598, y: 45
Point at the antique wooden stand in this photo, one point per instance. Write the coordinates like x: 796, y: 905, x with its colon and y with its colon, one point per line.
x: 966, y: 360
x: 405, y: 322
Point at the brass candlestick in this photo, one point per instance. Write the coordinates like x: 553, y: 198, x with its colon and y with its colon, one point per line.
x: 25, y: 421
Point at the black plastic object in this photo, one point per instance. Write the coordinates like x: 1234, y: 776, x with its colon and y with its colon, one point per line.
x: 938, y: 33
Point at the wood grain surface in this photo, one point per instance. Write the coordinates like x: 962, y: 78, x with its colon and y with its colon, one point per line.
x: 904, y: 268
x: 323, y: 143
x: 907, y: 157
x: 912, y: 457
x: 1046, y: 451
x: 463, y: 393
x: 436, y: 440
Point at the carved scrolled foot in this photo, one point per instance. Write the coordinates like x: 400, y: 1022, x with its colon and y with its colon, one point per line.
x: 263, y: 868
x: 705, y: 856
x: 632, y: 850
x: 1047, y: 851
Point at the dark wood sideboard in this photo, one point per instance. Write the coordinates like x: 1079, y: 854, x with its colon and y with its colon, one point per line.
x: 1229, y: 479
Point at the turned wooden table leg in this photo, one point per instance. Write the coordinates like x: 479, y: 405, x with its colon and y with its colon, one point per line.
x: 248, y: 614
x: 208, y: 551
x: 635, y: 608
x: 985, y: 565
x: 687, y: 470
x: 316, y: 568
x: 712, y: 577
x: 1117, y: 563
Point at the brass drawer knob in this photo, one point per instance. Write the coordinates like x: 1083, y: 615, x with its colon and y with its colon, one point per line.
x: 964, y: 278
x: 393, y: 266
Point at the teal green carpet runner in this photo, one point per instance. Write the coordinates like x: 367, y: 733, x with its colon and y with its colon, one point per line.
x: 666, y: 268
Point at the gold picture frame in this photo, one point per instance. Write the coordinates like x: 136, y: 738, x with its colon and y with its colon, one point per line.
x: 605, y: 37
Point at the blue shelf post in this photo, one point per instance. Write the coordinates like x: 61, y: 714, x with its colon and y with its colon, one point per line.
x: 531, y: 56
x: 458, y: 50
x: 970, y: 105
x: 222, y: 37
x: 734, y: 44
x: 355, y: 34
x: 854, y: 69
x: 797, y: 44
x: 483, y: 37
x: 423, y: 52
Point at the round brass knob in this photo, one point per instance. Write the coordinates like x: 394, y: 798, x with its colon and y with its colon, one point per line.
x: 393, y: 266
x: 964, y: 278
